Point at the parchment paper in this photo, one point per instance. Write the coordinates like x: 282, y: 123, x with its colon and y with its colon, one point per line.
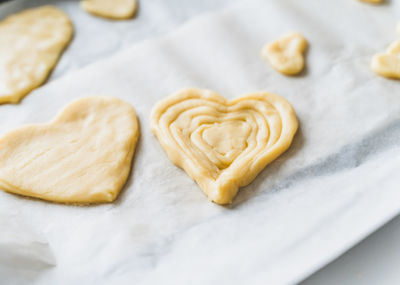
x: 337, y: 183
x: 96, y: 37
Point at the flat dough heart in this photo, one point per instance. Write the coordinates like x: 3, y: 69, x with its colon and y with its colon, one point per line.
x: 286, y: 54
x: 222, y: 144
x: 31, y: 42
x: 83, y: 156
x: 112, y: 9
x: 388, y: 64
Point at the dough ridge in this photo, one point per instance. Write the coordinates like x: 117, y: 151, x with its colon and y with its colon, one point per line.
x: 265, y: 125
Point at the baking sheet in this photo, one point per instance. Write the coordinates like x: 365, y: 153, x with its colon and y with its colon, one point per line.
x: 336, y: 184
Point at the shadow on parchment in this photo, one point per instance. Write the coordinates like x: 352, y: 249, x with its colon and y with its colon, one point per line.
x: 349, y: 156
x: 249, y: 191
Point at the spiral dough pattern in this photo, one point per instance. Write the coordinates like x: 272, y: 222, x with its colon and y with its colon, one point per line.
x: 222, y: 144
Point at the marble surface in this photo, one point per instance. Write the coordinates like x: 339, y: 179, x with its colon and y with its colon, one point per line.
x: 280, y: 228
x: 375, y: 260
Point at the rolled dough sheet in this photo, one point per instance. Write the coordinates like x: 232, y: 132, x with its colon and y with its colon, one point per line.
x: 83, y: 156
x: 31, y: 42
x: 112, y: 9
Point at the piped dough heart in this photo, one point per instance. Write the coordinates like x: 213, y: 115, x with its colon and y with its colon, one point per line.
x: 112, y: 9
x: 286, y: 54
x: 388, y: 64
x: 31, y: 42
x: 83, y: 156
x: 222, y: 144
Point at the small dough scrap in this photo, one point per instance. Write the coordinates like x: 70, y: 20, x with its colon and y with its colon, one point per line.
x: 112, y: 9
x: 222, y: 144
x: 388, y: 64
x: 83, y: 156
x: 31, y: 43
x: 373, y: 1
x: 286, y: 54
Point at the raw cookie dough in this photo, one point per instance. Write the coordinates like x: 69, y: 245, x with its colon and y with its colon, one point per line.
x: 31, y: 42
x: 373, y: 1
x: 286, y: 54
x: 223, y: 144
x: 112, y: 9
x: 83, y: 156
x: 388, y: 64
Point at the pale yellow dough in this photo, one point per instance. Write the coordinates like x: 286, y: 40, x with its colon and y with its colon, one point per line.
x: 83, y: 156
x: 286, y: 54
x: 388, y: 64
x: 222, y: 144
x: 112, y: 9
x: 30, y: 44
x: 373, y: 1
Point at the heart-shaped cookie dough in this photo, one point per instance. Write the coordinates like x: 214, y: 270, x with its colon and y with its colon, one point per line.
x: 373, y: 1
x: 112, y: 9
x: 83, y: 156
x: 388, y: 64
x: 30, y: 44
x: 286, y: 54
x: 222, y: 144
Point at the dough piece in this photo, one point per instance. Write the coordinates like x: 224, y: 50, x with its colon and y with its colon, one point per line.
x: 398, y: 28
x: 286, y: 53
x: 30, y: 44
x: 373, y: 1
x: 388, y: 64
x: 222, y: 144
x: 112, y: 9
x: 83, y: 156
